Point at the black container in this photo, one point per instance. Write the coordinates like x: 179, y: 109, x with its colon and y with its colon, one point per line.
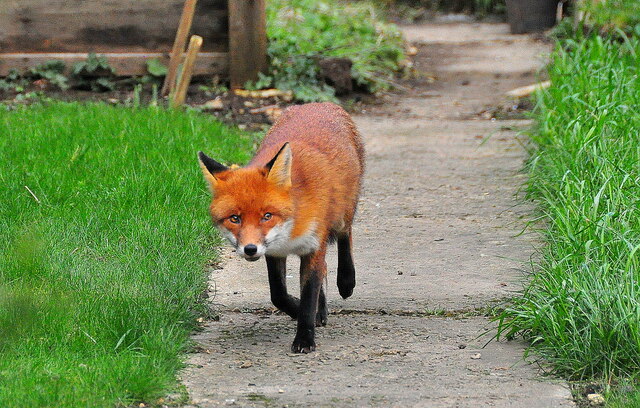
x: 526, y: 16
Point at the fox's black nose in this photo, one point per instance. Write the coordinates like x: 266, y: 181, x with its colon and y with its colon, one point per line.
x: 250, y: 249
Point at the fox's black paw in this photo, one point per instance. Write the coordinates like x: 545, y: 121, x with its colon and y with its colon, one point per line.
x: 303, y: 346
x: 345, y: 286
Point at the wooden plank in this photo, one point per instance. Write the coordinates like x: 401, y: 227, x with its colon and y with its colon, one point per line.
x: 90, y: 25
x: 247, y: 41
x: 208, y: 63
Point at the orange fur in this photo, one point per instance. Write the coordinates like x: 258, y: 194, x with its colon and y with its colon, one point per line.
x: 326, y: 175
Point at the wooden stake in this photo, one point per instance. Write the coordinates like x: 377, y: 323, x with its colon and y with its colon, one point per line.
x: 180, y: 95
x: 178, y: 46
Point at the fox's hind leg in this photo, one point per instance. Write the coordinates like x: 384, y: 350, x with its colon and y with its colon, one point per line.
x: 323, y: 311
x: 346, y: 270
x: 277, y: 268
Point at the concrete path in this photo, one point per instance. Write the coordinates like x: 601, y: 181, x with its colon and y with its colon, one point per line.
x: 435, y: 246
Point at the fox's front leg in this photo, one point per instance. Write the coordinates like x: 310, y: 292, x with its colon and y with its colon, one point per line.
x: 277, y: 268
x: 313, y: 270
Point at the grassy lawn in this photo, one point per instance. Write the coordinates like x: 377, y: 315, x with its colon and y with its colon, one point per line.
x: 104, y: 240
x: 581, y: 309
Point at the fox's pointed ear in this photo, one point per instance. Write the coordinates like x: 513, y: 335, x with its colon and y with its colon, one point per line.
x: 280, y: 167
x: 209, y: 169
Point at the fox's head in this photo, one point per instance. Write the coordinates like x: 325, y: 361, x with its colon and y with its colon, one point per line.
x: 252, y: 206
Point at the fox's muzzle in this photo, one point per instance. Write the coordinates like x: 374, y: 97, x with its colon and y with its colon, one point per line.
x: 251, y: 252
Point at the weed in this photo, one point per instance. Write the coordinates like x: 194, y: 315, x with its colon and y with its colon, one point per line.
x: 156, y: 68
x: 156, y: 71
x: 53, y: 72
x: 215, y: 87
x: 13, y: 82
x: 94, y: 74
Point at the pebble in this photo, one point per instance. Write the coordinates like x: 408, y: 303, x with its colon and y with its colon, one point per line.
x: 595, y: 399
x: 476, y: 356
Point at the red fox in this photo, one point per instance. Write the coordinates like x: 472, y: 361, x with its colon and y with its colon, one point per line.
x: 297, y: 194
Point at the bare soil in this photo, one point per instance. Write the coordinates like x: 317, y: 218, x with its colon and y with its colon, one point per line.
x: 437, y: 244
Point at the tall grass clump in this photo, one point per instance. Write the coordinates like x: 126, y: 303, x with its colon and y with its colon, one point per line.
x: 581, y: 308
x: 301, y: 32
x: 104, y: 238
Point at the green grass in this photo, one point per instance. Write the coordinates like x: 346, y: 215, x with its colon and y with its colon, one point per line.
x: 624, y: 395
x: 612, y: 19
x: 581, y: 309
x: 104, y: 240
x: 611, y: 15
x: 301, y: 31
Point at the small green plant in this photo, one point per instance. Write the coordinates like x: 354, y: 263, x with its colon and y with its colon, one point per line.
x: 156, y: 68
x: 94, y: 74
x: 53, y: 72
x: 156, y: 71
x: 303, y: 31
x: 215, y: 87
x: 13, y: 82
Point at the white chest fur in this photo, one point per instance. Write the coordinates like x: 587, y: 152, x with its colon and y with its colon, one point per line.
x: 279, y: 242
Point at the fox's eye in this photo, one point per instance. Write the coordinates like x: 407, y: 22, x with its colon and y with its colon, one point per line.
x: 234, y: 219
x: 267, y: 216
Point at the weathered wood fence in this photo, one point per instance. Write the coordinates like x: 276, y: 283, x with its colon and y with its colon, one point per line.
x: 130, y: 32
